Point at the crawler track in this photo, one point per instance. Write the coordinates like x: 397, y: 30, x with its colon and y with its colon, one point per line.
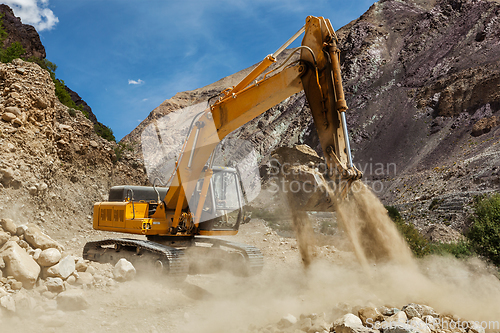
x: 172, y: 260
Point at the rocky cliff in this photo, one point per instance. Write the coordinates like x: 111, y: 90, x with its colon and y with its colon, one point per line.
x: 422, y: 80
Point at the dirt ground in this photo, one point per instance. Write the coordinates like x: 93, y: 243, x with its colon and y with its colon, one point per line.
x: 333, y: 285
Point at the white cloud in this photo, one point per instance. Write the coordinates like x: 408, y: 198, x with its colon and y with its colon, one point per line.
x: 135, y: 82
x: 34, y: 12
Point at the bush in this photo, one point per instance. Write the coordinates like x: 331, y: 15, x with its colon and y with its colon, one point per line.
x: 417, y: 243
x: 484, y: 234
x: 460, y: 249
x: 104, y: 132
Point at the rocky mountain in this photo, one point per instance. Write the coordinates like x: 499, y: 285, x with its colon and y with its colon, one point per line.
x: 22, y: 33
x: 422, y: 80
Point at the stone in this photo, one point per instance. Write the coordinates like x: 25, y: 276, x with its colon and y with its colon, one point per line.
x: 71, y: 279
x: 418, y: 325
x: 475, y: 327
x: 4, y: 238
x: 484, y: 125
x: 123, y: 270
x: 350, y: 323
x: 20, y: 264
x: 287, y: 321
x: 81, y: 265
x: 36, y: 254
x: 24, y: 302
x: 8, y: 303
x: 411, y: 311
x: 49, y: 257
x: 66, y: 127
x: 20, y: 230
x: 33, y: 190
x: 72, y: 300
x: 369, y: 316
x: 9, y: 226
x: 55, y: 285
x: 85, y: 279
x: 13, y: 109
x: 16, y: 285
x: 7, y: 116
x: 398, y: 317
x: 63, y: 269
x: 90, y: 270
x: 37, y: 239
x: 93, y: 144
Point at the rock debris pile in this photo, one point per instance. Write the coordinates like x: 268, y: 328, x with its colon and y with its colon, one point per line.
x: 37, y: 276
x: 411, y: 318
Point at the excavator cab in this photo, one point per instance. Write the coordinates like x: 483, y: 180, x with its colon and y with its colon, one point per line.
x: 223, y: 208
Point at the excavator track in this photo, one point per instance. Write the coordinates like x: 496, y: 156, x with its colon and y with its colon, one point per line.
x: 171, y: 260
x: 253, y: 258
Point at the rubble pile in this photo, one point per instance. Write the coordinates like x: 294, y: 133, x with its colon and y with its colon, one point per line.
x: 38, y: 276
x: 411, y: 318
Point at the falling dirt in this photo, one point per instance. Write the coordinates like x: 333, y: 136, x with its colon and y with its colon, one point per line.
x: 371, y: 231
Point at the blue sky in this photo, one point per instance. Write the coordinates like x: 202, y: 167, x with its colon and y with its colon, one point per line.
x: 125, y: 57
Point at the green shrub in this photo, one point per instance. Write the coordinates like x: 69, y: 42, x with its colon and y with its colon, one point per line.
x: 484, y: 234
x: 14, y: 51
x: 417, y: 243
x: 104, y: 132
x: 460, y: 249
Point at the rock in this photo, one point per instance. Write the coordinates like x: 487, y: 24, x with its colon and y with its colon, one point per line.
x: 350, y: 323
x: 398, y: 317
x: 4, y: 238
x: 411, y: 311
x: 36, y: 254
x: 90, y: 270
x: 24, y: 302
x: 369, y: 316
x: 287, y: 321
x: 81, y: 265
x: 63, y: 269
x: 72, y: 300
x: 20, y: 264
x: 49, y: 257
x: 93, y: 144
x: 48, y: 294
x: 9, y: 226
x: 33, y: 190
x: 475, y: 327
x: 8, y: 303
x: 37, y: 239
x: 85, y: 279
x: 7, y: 116
x: 124, y: 270
x: 14, y: 110
x: 20, y: 230
x: 418, y: 325
x: 66, y: 127
x: 484, y: 125
x: 55, y: 285
x: 16, y: 285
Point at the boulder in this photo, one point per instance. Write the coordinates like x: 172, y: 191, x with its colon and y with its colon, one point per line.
x: 411, y: 311
x: 85, y: 279
x: 63, y: 269
x: 398, y: 317
x: 37, y: 239
x: 124, y: 270
x: 4, y: 237
x: 369, y: 316
x: 20, y: 264
x: 350, y: 323
x: 72, y: 300
x: 49, y: 257
x: 9, y: 226
x: 54, y: 285
x: 7, y: 116
x: 13, y: 109
x: 8, y: 303
x: 287, y: 321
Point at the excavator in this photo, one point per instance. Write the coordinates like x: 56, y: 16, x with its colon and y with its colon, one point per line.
x: 201, y: 200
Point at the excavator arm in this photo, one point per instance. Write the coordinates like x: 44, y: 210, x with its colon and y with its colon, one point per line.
x: 317, y: 72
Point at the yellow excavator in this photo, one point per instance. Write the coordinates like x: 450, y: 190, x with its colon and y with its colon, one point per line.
x: 201, y: 200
